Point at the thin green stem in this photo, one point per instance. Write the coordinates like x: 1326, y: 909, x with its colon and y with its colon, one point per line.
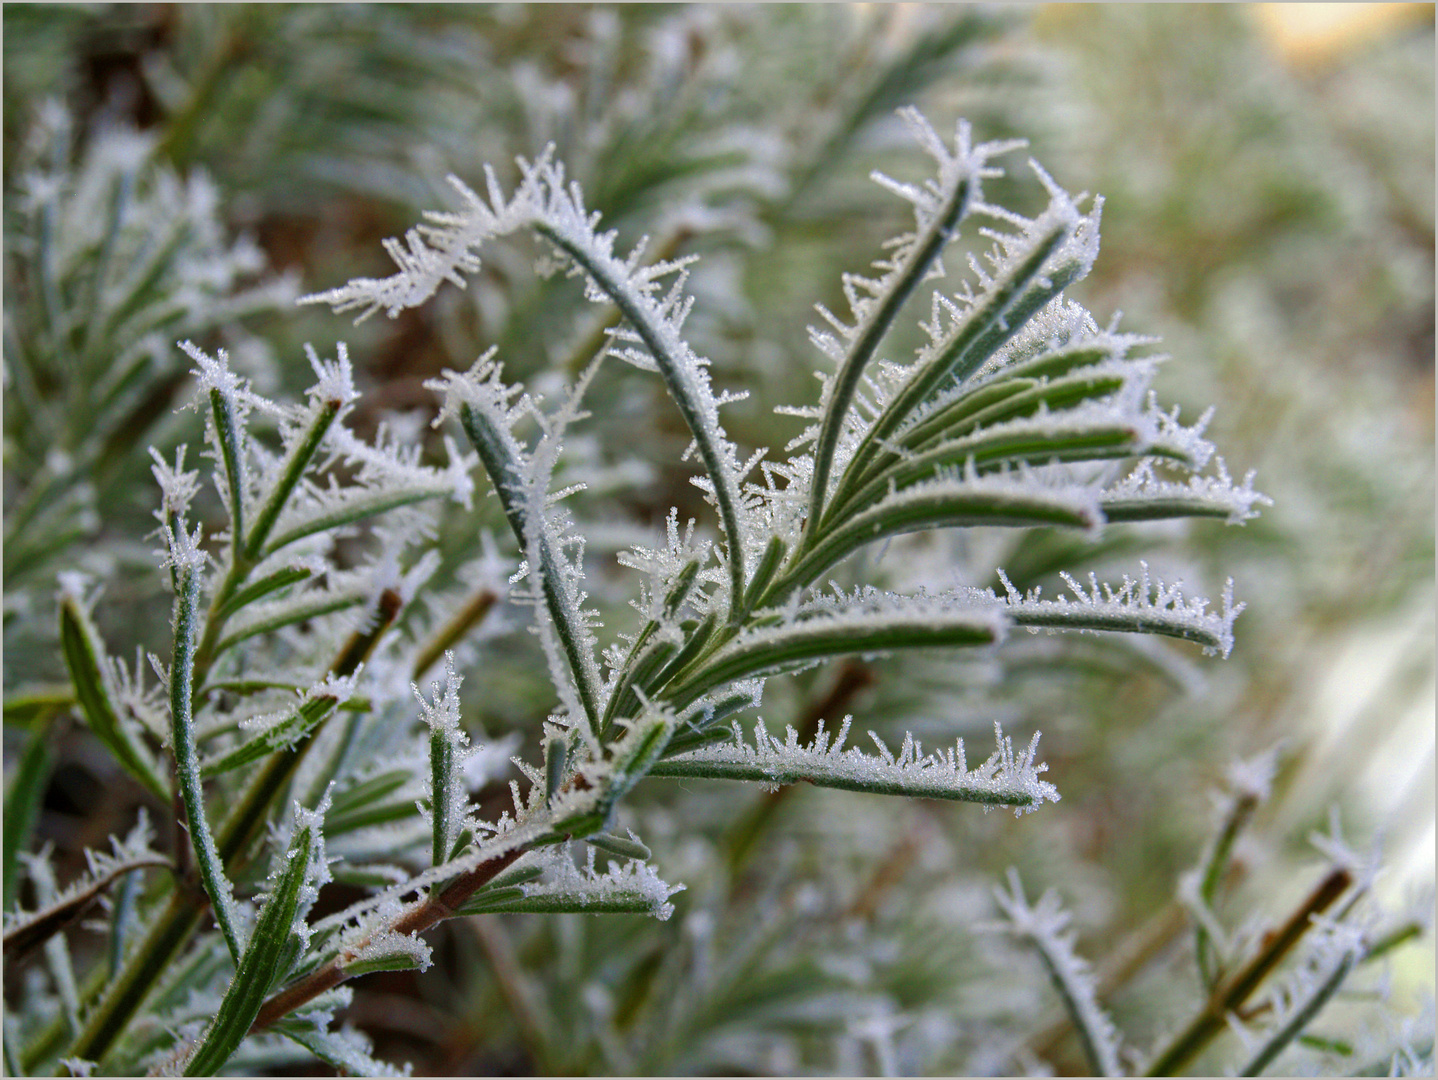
x: 294, y: 468
x: 465, y: 619
x: 1213, y: 872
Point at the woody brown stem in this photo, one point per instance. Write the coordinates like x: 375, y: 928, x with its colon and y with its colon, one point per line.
x: 416, y: 921
x: 1231, y: 995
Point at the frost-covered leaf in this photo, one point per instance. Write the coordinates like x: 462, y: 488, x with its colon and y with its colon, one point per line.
x: 870, y: 625
x: 553, y: 554
x: 1146, y: 605
x: 277, y: 940
x: 547, y: 203
x: 26, y: 929
x: 1046, y: 927
x: 1142, y: 496
x: 346, y: 1049
x: 267, y: 734
x: 1005, y: 779
x: 631, y: 887
x: 90, y: 672
x: 447, y: 740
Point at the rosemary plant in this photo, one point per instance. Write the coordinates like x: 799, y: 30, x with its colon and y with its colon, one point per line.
x: 307, y: 723
x: 1020, y: 411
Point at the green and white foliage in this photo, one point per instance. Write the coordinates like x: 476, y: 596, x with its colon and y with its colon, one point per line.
x: 111, y: 256
x: 1320, y: 950
x: 331, y: 717
x: 1018, y: 411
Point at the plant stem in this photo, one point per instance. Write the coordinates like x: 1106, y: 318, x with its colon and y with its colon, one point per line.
x: 132, y: 985
x: 469, y: 616
x: 1238, y: 815
x: 415, y: 921
x: 178, y: 920
x: 1230, y: 996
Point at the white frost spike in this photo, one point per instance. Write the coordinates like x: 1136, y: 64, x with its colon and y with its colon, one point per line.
x: 177, y: 487
x: 442, y: 713
x: 1046, y: 925
x: 182, y: 549
x: 213, y: 371
x: 334, y: 378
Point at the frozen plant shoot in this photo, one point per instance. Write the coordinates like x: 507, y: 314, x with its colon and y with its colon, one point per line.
x: 309, y: 747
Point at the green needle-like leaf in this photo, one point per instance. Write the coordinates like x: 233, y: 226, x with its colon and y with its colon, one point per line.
x: 271, y: 941
x: 85, y: 657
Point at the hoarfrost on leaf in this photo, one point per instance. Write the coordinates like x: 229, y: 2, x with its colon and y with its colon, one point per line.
x: 1005, y: 779
x: 1046, y: 925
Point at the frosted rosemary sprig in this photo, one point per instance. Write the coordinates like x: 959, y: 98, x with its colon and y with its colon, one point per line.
x: 1005, y: 779
x: 1046, y: 927
x: 1239, y: 987
x: 1034, y: 266
x: 26, y: 929
x: 939, y: 207
x: 1341, y: 946
x: 1249, y: 783
x: 521, y: 481
x: 447, y: 248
